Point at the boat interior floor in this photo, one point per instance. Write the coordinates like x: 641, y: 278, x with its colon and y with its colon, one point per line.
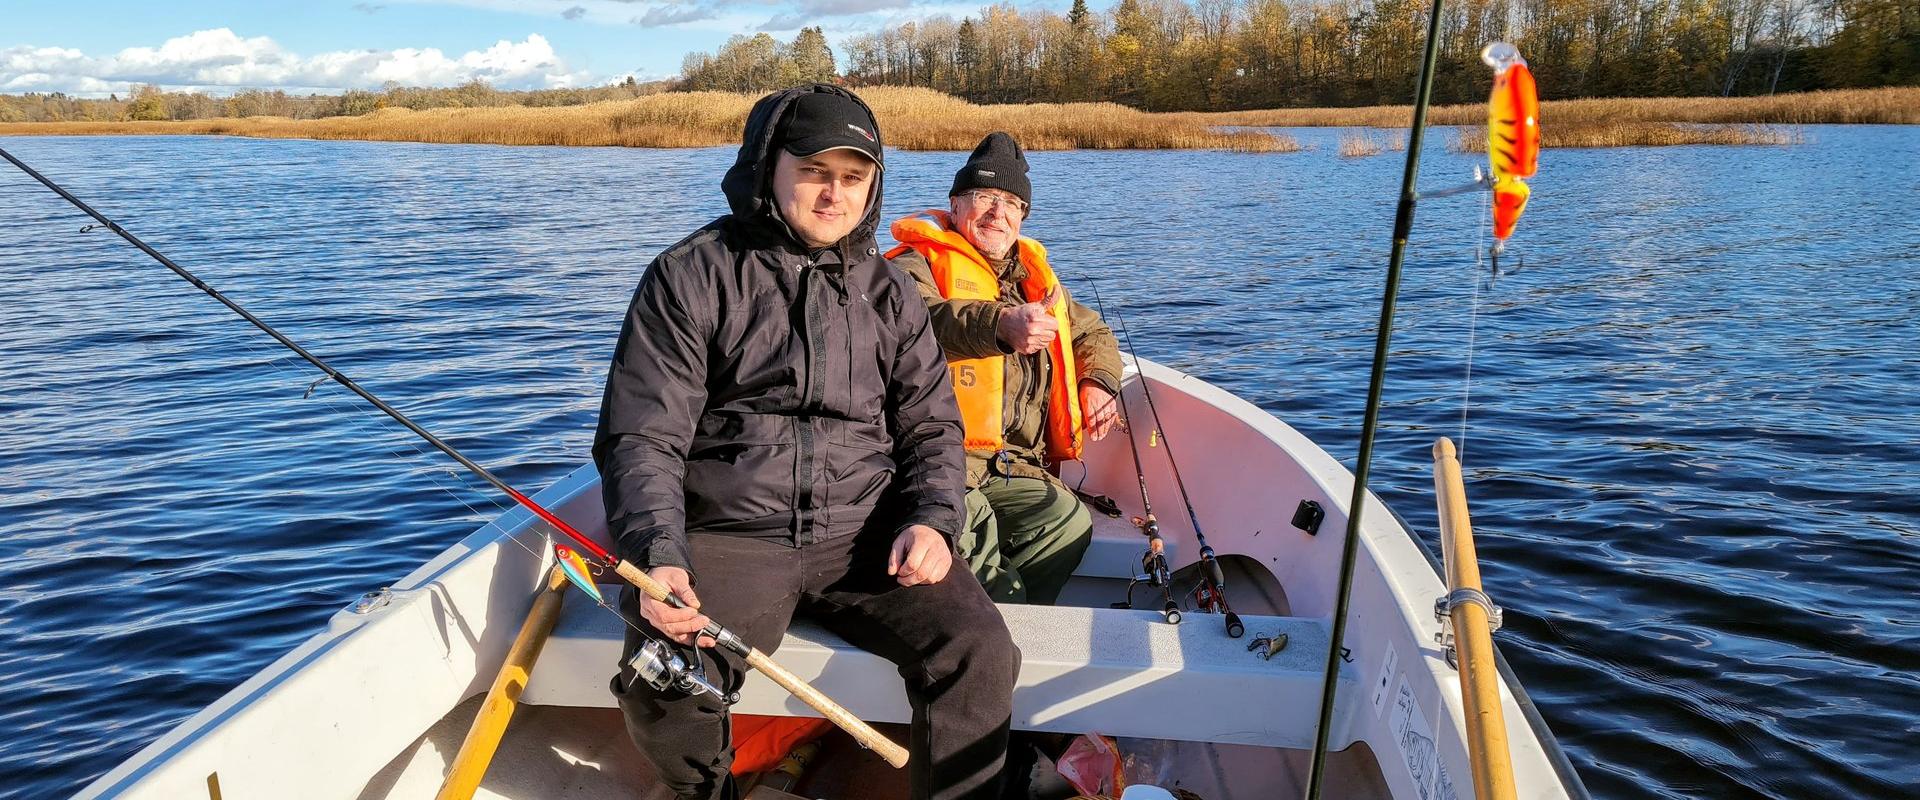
x: 570, y: 753
x: 559, y: 753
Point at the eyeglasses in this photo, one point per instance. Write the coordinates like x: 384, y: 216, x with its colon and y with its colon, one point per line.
x: 989, y: 202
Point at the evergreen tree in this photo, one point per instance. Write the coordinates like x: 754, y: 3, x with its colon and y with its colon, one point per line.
x: 812, y: 58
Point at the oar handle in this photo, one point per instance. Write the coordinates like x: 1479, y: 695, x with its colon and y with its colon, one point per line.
x: 483, y: 737
x: 861, y: 732
x: 1487, y: 746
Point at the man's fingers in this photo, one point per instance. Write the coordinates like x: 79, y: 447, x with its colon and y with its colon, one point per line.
x: 1053, y: 296
x: 914, y: 559
x: 683, y: 631
x: 893, y: 559
x: 934, y: 568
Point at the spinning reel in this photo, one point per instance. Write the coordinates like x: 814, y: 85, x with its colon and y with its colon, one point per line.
x: 665, y: 669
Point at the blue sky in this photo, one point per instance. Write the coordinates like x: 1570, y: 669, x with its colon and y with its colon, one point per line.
x: 220, y: 46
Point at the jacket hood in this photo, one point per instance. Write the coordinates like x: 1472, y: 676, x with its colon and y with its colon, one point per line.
x: 749, y: 182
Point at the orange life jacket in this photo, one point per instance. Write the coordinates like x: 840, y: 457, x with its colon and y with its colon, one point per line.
x: 961, y: 273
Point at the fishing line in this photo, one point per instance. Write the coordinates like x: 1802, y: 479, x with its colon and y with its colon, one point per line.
x: 332, y: 376
x: 1211, y: 572
x: 1153, y: 563
x: 327, y: 391
x: 1473, y: 322
x: 649, y: 661
x: 356, y: 418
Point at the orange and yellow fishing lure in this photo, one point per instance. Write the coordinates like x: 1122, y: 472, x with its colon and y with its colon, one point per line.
x: 1513, y: 136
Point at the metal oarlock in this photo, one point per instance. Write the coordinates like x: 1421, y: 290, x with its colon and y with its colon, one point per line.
x: 665, y: 669
x: 1443, y: 611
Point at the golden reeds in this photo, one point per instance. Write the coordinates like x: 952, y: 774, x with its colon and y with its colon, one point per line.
x: 1363, y: 143
x: 1473, y: 139
x: 1892, y: 106
x: 923, y: 119
x: 1358, y: 144
x: 912, y: 119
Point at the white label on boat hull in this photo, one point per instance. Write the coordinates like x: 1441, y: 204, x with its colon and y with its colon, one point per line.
x: 1414, y: 737
x: 1380, y: 683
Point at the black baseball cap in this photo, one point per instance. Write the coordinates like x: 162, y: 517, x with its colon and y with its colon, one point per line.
x: 822, y: 121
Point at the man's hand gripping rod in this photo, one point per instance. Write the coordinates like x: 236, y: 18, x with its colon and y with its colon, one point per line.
x: 863, y: 733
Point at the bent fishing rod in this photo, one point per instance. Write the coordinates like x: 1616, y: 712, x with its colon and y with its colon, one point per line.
x: 1213, y: 583
x: 1153, y: 563
x: 1402, y: 229
x: 893, y: 753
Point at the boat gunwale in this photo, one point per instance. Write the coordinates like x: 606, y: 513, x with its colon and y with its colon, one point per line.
x: 1316, y: 465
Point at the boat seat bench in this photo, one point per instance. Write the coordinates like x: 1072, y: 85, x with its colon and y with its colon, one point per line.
x: 1116, y: 671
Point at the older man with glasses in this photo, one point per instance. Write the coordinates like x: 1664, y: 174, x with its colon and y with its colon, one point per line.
x: 1035, y: 373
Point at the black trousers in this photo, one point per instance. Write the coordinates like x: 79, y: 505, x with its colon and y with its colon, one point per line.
x: 949, y: 641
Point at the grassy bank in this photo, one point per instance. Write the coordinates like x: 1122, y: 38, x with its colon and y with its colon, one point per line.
x: 1473, y: 139
x: 1893, y: 106
x: 923, y: 119
x: 911, y: 118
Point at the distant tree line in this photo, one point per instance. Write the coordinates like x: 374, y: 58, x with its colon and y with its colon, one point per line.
x: 760, y: 63
x: 1202, y: 55
x: 1215, y: 55
x: 149, y: 102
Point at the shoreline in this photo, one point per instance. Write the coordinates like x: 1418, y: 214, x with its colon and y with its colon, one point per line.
x: 922, y: 119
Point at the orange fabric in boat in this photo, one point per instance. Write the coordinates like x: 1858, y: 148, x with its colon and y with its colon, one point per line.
x: 760, y: 742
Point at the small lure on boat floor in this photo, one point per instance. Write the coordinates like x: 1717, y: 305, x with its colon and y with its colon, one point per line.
x: 1268, y: 646
x: 1513, y: 136
x: 577, y: 572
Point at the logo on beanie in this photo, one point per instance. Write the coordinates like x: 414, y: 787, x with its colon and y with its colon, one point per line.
x: 984, y: 173
x: 862, y: 131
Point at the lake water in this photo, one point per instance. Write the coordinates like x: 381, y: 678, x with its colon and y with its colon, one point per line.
x: 1693, y: 435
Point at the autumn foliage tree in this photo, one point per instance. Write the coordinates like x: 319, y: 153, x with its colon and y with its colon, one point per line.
x: 1175, y: 55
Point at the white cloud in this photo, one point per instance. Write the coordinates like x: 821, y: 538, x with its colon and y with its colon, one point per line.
x: 220, y: 61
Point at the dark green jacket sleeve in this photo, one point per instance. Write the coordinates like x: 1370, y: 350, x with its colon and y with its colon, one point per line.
x: 965, y: 328
x: 1095, y: 352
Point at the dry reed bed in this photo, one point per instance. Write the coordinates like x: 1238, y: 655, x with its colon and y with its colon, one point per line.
x: 1359, y: 144
x: 911, y: 119
x: 1473, y: 139
x: 1892, y: 106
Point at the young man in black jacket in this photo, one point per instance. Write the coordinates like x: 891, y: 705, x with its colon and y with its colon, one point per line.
x: 778, y: 426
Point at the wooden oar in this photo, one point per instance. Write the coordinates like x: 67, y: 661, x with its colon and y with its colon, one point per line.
x: 1470, y: 609
x: 483, y: 737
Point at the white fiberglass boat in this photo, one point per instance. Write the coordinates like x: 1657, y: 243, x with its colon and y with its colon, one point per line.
x: 376, y: 705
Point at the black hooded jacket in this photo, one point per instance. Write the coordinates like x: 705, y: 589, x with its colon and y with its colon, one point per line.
x: 763, y: 389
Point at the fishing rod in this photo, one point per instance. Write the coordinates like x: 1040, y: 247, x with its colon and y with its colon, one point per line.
x: 1402, y: 228
x: 1153, y: 563
x: 1213, y: 582
x: 893, y: 753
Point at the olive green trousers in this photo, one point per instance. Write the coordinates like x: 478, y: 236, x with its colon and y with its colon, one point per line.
x: 1023, y: 538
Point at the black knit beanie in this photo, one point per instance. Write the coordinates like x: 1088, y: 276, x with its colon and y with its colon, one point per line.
x: 997, y: 163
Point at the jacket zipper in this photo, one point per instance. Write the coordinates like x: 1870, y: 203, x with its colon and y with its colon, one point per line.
x: 803, y: 482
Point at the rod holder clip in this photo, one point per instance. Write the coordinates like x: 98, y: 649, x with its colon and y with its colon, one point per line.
x: 1443, y: 606
x: 372, y: 601
x: 1443, y: 611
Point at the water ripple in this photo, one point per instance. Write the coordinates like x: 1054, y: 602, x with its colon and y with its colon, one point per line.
x: 1691, y: 443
